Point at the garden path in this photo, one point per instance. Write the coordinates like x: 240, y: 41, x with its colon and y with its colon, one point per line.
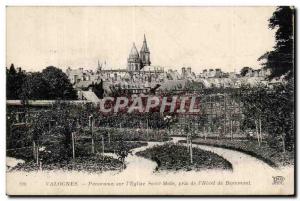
x: 139, y: 177
x: 241, y: 162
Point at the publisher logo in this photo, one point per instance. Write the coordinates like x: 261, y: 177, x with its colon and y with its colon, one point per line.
x: 278, y: 180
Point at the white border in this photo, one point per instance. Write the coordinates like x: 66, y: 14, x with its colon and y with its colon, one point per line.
x: 4, y: 3
x: 154, y: 2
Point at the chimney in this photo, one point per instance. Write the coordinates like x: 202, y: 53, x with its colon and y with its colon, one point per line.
x: 183, y: 71
x: 189, y: 69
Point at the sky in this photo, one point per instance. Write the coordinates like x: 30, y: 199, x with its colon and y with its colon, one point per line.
x: 200, y: 37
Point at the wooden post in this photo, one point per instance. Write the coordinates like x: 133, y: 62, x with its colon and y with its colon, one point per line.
x: 103, y: 146
x: 187, y: 142
x: 147, y: 129
x: 37, y: 155
x: 73, y: 145
x: 231, y: 134
x: 92, y: 133
x: 146, y: 135
x: 93, y: 145
x: 283, y: 143
x: 191, y: 151
x: 225, y: 114
x: 257, y: 134
x: 260, y: 130
x: 17, y: 117
x: 34, y: 150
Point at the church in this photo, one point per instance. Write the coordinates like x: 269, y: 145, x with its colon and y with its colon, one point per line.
x: 137, y: 61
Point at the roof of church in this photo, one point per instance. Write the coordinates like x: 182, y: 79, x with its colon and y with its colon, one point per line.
x: 144, y: 47
x: 134, y: 53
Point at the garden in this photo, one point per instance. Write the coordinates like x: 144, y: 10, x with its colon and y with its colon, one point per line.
x: 173, y: 157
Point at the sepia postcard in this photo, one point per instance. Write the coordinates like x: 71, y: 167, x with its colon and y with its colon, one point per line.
x: 152, y: 101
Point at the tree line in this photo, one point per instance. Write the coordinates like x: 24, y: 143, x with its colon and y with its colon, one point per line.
x: 49, y: 84
x: 272, y: 109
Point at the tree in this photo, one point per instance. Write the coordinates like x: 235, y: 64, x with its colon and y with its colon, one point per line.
x: 98, y: 89
x: 245, y: 70
x: 255, y: 103
x: 59, y: 84
x: 270, y: 110
x: 14, y: 81
x: 280, y: 108
x: 50, y: 84
x: 52, y: 131
x: 281, y: 60
x: 122, y: 151
x: 34, y: 88
x: 280, y: 117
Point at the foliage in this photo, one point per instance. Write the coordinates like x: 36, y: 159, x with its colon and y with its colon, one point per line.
x: 280, y: 117
x: 59, y: 84
x: 245, y: 70
x: 281, y: 60
x: 50, y: 84
x: 14, y: 80
x: 275, y: 108
x: 122, y: 150
x: 176, y: 157
x: 88, y: 164
x: 98, y: 89
x: 34, y: 87
x: 192, y: 85
x: 52, y: 130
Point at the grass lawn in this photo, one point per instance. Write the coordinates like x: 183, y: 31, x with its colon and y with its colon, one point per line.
x: 176, y: 157
x: 272, y: 156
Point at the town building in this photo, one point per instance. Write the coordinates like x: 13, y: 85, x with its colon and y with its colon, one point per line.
x: 141, y: 77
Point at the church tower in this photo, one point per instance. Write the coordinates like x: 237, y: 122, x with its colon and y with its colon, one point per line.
x: 145, y: 54
x: 133, y: 61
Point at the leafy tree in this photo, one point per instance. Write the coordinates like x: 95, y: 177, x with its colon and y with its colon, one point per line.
x: 281, y: 60
x: 35, y: 87
x: 14, y: 81
x: 270, y: 110
x: 50, y: 84
x: 280, y: 116
x: 98, y: 89
x: 59, y: 84
x: 255, y: 101
x: 52, y: 131
x: 245, y: 70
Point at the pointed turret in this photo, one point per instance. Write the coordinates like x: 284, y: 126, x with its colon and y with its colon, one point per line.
x: 145, y: 47
x: 133, y: 61
x: 134, y: 52
x: 145, y: 54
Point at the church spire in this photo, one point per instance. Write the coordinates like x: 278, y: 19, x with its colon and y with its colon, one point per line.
x: 99, y: 66
x: 145, y: 46
x: 145, y: 54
